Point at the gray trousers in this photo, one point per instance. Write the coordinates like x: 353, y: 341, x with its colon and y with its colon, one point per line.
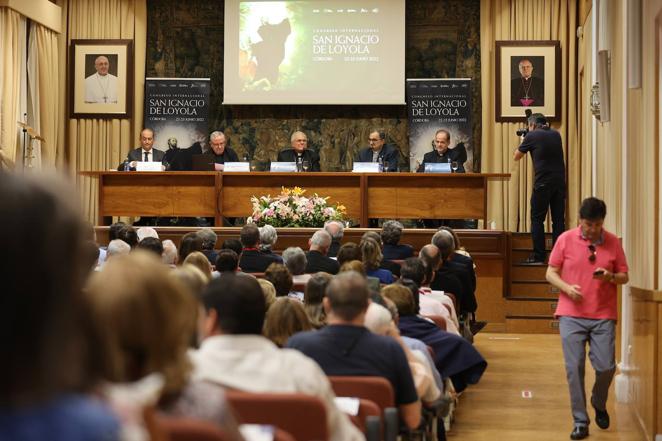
x: 600, y: 335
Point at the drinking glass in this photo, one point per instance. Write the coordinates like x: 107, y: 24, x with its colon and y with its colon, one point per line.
x: 305, y: 165
x: 385, y: 166
x: 454, y: 166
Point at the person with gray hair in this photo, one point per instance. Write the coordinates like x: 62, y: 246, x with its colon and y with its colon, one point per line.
x: 305, y: 158
x: 219, y: 151
x: 170, y: 253
x: 209, y: 239
x: 336, y: 230
x: 117, y: 247
x: 268, y: 238
x: 295, y: 261
x: 144, y: 232
x: 317, y: 254
x: 391, y: 234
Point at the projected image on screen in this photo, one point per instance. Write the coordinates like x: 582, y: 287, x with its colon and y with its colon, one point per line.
x: 314, y: 52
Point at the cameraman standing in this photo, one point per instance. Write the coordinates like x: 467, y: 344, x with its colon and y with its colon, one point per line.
x: 546, y: 150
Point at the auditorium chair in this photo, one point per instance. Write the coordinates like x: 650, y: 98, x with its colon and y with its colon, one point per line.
x: 368, y: 419
x: 301, y: 415
x: 376, y: 389
x: 188, y: 429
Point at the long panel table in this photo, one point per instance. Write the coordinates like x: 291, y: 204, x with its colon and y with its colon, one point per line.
x: 366, y: 195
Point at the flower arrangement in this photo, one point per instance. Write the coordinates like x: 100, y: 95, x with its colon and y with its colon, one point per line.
x: 292, y: 209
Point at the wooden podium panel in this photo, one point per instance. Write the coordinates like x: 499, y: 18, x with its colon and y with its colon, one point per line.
x: 426, y: 196
x: 157, y: 194
x: 365, y: 195
x: 238, y: 188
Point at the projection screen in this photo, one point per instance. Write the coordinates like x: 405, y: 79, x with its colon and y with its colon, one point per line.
x: 314, y: 52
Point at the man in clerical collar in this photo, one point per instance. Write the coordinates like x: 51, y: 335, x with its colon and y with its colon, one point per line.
x: 305, y: 158
x: 379, y: 151
x: 220, y: 150
x: 101, y: 86
x: 527, y: 90
x: 442, y: 153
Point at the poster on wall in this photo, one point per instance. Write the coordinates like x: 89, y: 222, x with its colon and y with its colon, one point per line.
x: 437, y: 108
x: 177, y: 109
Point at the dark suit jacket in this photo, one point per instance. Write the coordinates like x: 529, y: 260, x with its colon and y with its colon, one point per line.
x: 467, y: 297
x: 289, y: 155
x: 253, y: 261
x: 228, y: 155
x: 137, y: 155
x: 458, y: 154
x: 397, y: 252
x: 534, y: 88
x: 319, y: 262
x: 389, y: 153
x: 333, y: 249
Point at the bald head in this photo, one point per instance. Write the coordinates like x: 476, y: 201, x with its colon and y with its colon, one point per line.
x: 101, y: 64
x: 431, y: 256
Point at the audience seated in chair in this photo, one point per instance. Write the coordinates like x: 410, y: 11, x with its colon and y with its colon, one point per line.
x: 47, y: 368
x: 428, y: 386
x: 190, y: 242
x: 346, y: 347
x: 285, y: 318
x: 336, y: 230
x: 372, y: 259
x: 313, y: 297
x: 282, y: 279
x: 199, y: 260
x: 296, y: 262
x: 443, y: 240
x: 251, y: 259
x: 152, y: 245
x: 170, y: 253
x: 393, y: 267
x: 393, y: 249
x: 209, y: 238
x: 268, y: 238
x: 235, y: 354
x: 348, y: 251
x: 454, y: 357
x: 145, y: 319
x: 316, y: 256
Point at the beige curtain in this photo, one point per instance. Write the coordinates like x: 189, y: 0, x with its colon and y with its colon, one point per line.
x: 100, y: 144
x: 46, y: 90
x: 12, y: 43
x: 509, y: 201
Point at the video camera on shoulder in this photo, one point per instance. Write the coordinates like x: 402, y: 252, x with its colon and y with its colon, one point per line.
x: 525, y: 130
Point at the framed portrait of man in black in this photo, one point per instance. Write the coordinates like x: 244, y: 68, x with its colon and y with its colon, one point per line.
x: 528, y: 76
x: 101, y: 78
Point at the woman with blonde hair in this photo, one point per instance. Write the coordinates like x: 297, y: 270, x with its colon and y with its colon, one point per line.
x: 144, y: 320
x: 372, y: 259
x: 285, y: 318
x: 199, y: 260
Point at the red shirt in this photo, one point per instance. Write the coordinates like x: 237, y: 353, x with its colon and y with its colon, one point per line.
x: 571, y: 254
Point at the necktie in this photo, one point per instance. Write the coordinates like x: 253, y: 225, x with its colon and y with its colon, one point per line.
x: 146, y: 157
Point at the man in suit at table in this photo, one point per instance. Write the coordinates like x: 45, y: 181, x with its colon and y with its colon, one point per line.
x: 300, y: 153
x: 144, y: 153
x: 378, y: 151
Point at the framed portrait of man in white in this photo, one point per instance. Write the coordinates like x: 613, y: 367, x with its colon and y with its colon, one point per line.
x: 101, y: 78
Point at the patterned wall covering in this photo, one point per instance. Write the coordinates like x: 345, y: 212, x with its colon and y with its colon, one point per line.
x: 185, y: 39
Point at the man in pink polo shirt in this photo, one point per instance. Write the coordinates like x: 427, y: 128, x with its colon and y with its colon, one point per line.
x: 586, y: 264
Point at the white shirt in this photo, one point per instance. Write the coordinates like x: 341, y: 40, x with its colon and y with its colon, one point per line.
x: 150, y: 156
x: 253, y: 363
x: 101, y: 89
x: 446, y: 302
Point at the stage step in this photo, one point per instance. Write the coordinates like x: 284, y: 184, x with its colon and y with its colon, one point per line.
x: 531, y: 325
x: 533, y: 289
x: 521, y: 273
x: 522, y: 241
x: 530, y: 307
